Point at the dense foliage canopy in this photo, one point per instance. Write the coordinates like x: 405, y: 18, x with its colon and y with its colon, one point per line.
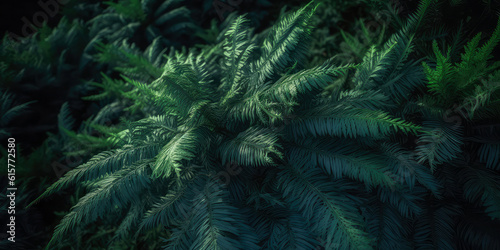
x: 245, y: 138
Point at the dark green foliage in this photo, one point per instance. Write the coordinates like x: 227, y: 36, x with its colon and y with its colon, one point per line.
x: 60, y: 61
x: 261, y: 138
x: 254, y: 108
x: 142, y: 21
x: 340, y: 31
x: 461, y: 113
x: 50, y: 68
x: 8, y: 111
x: 469, y: 90
x: 30, y: 228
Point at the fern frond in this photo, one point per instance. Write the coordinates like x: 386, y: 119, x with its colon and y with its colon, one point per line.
x: 388, y: 226
x: 346, y: 121
x: 440, y: 78
x: 407, y: 171
x: 130, y: 221
x: 283, y: 229
x: 237, y: 51
x: 171, y: 209
x: 373, y: 100
x: 442, y: 143
x: 304, y: 83
x: 483, y: 186
x: 64, y: 119
x: 8, y: 110
x: 478, y: 232
x: 101, y: 164
x: 407, y: 202
x: 340, y: 158
x: 129, y: 8
x: 390, y: 70
x: 183, y: 147
x: 282, y: 48
x: 252, y: 147
x: 120, y: 189
x: 489, y: 153
x: 318, y: 198
x: 214, y: 219
x: 435, y: 227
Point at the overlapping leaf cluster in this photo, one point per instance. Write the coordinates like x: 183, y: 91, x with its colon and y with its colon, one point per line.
x: 240, y: 145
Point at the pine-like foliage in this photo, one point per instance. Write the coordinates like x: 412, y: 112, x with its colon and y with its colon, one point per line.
x: 462, y: 115
x: 49, y: 67
x: 240, y: 147
x: 142, y: 21
x: 8, y: 111
x: 347, y: 36
x: 467, y: 91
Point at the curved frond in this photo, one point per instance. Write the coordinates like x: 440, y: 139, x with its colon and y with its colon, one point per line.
x: 328, y: 206
x: 345, y: 121
x: 182, y: 148
x: 340, y: 158
x: 120, y: 189
x: 483, y: 186
x: 100, y: 165
x: 252, y: 147
x: 285, y: 45
x: 441, y: 144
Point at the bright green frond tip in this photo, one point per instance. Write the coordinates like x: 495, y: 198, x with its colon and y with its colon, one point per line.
x: 454, y: 81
